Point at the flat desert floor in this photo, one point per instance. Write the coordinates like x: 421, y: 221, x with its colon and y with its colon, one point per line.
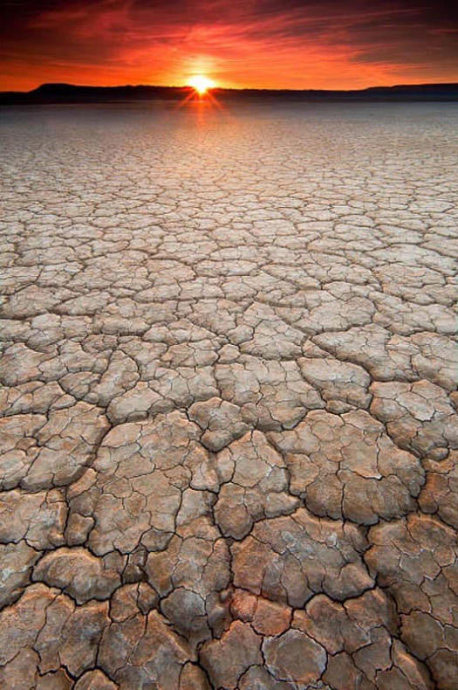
x: 228, y: 375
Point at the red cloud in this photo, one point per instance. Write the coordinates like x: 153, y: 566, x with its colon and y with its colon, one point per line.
x: 263, y: 43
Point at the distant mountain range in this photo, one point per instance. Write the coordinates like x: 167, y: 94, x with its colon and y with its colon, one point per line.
x: 69, y: 93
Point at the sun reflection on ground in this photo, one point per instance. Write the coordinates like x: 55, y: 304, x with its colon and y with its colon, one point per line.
x: 200, y: 93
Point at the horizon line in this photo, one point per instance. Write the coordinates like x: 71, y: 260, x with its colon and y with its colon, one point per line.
x: 230, y: 88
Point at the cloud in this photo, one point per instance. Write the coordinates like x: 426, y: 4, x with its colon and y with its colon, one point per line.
x: 265, y: 43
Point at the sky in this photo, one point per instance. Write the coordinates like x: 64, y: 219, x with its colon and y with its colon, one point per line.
x: 282, y: 44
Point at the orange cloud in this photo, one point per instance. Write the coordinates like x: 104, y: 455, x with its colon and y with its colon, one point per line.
x: 251, y: 43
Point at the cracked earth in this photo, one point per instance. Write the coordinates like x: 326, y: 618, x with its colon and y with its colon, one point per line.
x: 228, y: 442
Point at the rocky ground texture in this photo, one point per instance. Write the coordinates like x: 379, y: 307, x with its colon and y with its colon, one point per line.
x: 228, y: 443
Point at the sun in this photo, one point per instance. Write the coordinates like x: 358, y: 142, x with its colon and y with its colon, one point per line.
x: 200, y: 83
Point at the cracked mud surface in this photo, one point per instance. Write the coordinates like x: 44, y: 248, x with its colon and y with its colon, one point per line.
x: 228, y: 439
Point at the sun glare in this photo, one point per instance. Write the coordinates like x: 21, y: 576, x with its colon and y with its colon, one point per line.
x: 200, y: 83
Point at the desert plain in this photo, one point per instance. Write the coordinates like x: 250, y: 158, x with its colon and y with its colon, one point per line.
x: 228, y: 376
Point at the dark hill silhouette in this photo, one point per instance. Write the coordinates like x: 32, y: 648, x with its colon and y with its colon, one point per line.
x: 69, y: 93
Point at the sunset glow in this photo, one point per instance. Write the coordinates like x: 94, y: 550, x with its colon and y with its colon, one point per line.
x: 279, y: 44
x: 201, y: 83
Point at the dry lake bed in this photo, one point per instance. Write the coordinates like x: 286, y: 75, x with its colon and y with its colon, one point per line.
x: 228, y: 443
